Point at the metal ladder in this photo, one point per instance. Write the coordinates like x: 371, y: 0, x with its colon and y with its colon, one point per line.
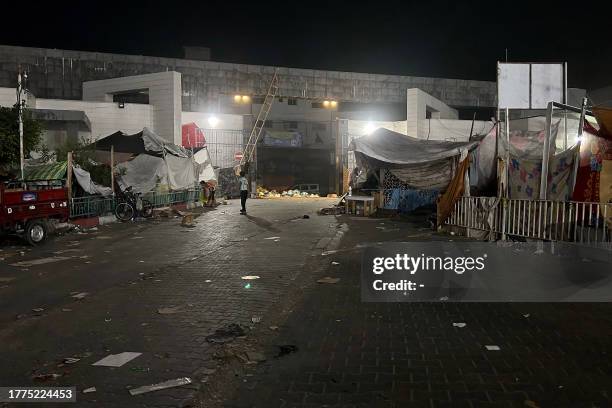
x: 251, y: 144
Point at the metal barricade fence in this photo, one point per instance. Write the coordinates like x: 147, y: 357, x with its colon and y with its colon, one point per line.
x: 571, y: 221
x: 92, y: 206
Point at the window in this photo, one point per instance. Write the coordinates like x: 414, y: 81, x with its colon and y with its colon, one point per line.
x: 290, y: 125
x: 317, y: 105
x: 292, y: 101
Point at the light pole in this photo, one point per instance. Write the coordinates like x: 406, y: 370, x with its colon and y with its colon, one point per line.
x: 20, y: 105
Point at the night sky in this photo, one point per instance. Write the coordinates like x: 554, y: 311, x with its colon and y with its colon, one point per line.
x: 452, y: 39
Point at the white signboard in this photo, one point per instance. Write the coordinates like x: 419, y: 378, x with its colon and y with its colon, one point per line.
x: 529, y: 86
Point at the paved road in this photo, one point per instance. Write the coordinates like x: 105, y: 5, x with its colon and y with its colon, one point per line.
x: 129, y: 272
x: 316, y: 344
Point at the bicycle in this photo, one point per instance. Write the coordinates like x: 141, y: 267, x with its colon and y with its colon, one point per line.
x: 132, y: 205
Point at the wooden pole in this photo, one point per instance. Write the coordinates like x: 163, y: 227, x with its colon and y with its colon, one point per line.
x: 69, y: 175
x: 112, y: 168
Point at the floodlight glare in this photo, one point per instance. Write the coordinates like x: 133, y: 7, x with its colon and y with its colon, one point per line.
x: 326, y: 103
x: 369, y: 128
x: 334, y: 104
x: 237, y: 98
x: 246, y: 99
x: 213, y: 121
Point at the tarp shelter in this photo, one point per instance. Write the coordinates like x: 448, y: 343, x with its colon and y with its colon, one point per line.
x: 594, y: 178
x: 145, y: 141
x: 205, y: 170
x: 57, y: 171
x: 192, y: 136
x: 419, y: 164
x: 46, y: 172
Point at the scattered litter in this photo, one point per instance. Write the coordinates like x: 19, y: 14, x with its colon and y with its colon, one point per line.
x: 170, y: 310
x: 328, y: 279
x: 493, y: 348
x: 273, y: 327
x: 71, y: 360
x: 66, y: 310
x: 144, y: 324
x: 444, y: 298
x: 46, y: 377
x: 272, y: 238
x: 80, y: 295
x: 335, y: 263
x: 286, y: 349
x: 247, y: 286
x: 187, y: 221
x: 325, y: 253
x: 452, y: 233
x: 161, y: 386
x: 207, y: 281
x: 89, y: 390
x: 117, y: 360
x: 141, y: 261
x: 459, y: 324
x: 526, y: 315
x: 225, y: 334
x: 306, y: 216
x: 38, y: 309
x: 256, y: 319
x: 255, y: 357
x: 108, y: 320
x: 41, y: 261
x: 250, y: 277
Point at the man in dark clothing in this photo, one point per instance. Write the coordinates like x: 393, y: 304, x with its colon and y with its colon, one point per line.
x: 244, y: 191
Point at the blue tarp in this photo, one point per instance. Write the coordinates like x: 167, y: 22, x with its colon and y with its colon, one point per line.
x: 407, y: 200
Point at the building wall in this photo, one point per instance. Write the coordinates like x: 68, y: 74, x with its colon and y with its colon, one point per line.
x: 59, y: 74
x: 418, y: 103
x: 451, y: 130
x: 106, y: 117
x: 164, y: 97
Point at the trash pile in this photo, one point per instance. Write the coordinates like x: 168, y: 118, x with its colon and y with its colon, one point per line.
x: 264, y: 193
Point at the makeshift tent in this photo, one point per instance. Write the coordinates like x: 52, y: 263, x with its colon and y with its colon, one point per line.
x: 145, y: 141
x: 205, y: 170
x: 419, y: 164
x: 594, y: 178
x: 143, y: 173
x: 192, y: 136
x: 57, y: 171
x: 45, y: 172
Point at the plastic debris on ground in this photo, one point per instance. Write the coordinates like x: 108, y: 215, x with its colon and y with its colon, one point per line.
x: 247, y: 286
x: 249, y: 277
x: 80, y: 295
x: 170, y: 310
x: 71, y: 360
x: 335, y: 263
x: 226, y: 334
x: 328, y: 279
x: 177, y: 382
x: 117, y: 360
x: 256, y: 319
x: 526, y: 315
x: 459, y: 324
x: 272, y: 238
x: 38, y: 309
x: 325, y: 253
x: 46, y: 377
x: 265, y: 193
x: 89, y: 390
x: 493, y: 348
x: 273, y: 327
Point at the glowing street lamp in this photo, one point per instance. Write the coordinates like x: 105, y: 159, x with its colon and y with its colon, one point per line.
x: 213, y: 121
x: 369, y: 128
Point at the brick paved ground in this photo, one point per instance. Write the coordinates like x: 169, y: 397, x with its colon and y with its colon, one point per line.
x: 354, y: 354
x: 133, y: 270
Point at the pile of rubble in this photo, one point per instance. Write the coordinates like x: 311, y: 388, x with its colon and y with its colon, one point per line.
x: 264, y: 193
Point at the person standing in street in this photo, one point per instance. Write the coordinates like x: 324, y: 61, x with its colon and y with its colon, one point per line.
x: 244, y: 191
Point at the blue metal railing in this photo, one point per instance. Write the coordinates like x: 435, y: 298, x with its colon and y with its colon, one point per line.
x: 96, y: 205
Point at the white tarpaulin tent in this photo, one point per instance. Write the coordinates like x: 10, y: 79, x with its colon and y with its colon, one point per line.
x: 84, y: 179
x: 205, y: 170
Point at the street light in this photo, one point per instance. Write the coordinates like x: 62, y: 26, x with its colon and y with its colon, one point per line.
x: 369, y: 128
x: 213, y: 121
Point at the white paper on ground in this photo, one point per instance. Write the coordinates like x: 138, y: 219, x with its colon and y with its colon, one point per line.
x: 492, y: 348
x: 117, y: 360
